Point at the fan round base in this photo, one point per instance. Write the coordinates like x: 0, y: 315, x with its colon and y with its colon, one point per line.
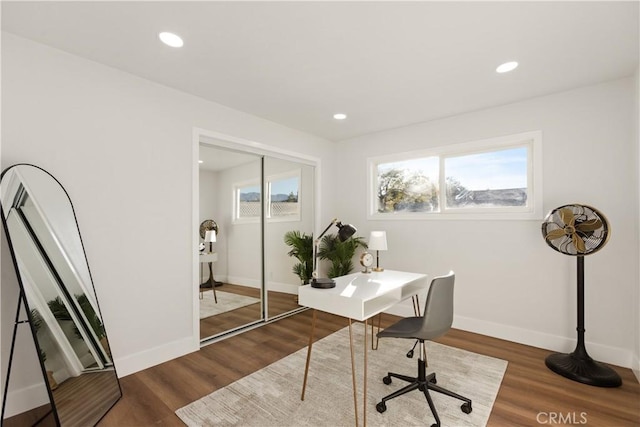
x: 584, y: 370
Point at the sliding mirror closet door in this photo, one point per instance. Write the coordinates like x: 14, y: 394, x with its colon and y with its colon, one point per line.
x: 231, y: 254
x: 289, y: 186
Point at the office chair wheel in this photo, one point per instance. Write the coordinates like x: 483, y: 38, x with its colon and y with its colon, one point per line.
x: 386, y: 380
x: 433, y: 380
x: 466, y: 408
x: 381, y: 407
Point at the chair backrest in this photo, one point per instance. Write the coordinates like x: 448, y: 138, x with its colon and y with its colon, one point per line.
x: 438, y: 310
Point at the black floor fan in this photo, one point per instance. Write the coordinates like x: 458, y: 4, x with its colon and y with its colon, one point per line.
x: 579, y: 230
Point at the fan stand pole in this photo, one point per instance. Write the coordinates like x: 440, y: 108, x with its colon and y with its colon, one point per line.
x: 578, y: 366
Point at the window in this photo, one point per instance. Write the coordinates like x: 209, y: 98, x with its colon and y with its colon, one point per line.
x: 490, y: 179
x: 247, y: 201
x: 284, y: 196
x: 283, y: 193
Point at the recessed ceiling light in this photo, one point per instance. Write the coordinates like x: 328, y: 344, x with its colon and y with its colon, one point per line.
x: 339, y: 116
x: 506, y: 67
x: 171, y: 39
x: 200, y: 161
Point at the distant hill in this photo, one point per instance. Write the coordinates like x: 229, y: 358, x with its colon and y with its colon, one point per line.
x: 255, y: 197
x: 250, y: 197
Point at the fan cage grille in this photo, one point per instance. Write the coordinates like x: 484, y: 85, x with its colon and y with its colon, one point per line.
x: 594, y: 239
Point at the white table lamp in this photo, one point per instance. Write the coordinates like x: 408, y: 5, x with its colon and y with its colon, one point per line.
x: 210, y: 237
x: 378, y: 242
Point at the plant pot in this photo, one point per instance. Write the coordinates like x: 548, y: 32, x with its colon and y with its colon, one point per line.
x: 53, y: 384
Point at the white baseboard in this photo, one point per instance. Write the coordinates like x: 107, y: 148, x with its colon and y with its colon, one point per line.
x: 244, y: 281
x: 603, y: 353
x: 145, y: 359
x: 26, y: 399
x: 636, y: 367
x: 286, y: 288
x: 271, y: 285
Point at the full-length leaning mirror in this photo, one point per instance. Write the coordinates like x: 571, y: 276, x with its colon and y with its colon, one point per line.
x: 56, y: 303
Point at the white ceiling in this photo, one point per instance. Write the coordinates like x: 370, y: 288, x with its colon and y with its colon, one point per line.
x: 385, y: 64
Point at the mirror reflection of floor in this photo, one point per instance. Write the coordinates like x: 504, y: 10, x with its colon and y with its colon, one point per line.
x: 41, y: 416
x: 279, y: 303
x: 80, y: 401
x: 83, y: 400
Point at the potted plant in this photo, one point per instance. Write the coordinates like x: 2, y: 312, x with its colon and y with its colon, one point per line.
x: 37, y: 321
x: 301, y: 245
x: 339, y: 253
x: 60, y: 312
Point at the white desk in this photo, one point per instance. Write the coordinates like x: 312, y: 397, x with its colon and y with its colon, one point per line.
x: 359, y: 296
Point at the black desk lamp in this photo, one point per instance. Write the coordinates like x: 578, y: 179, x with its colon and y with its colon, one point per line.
x: 344, y: 232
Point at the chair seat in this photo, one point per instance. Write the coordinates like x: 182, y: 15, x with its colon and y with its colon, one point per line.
x: 412, y: 328
x: 409, y: 327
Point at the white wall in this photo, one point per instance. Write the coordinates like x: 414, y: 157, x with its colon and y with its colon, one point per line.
x: 122, y: 147
x: 279, y: 265
x: 510, y: 284
x: 240, y: 247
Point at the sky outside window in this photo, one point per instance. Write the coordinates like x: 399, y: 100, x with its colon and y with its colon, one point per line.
x: 285, y: 186
x: 496, y: 170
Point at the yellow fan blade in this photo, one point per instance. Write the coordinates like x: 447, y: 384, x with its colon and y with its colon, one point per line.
x: 591, y: 225
x: 566, y: 215
x: 555, y: 234
x: 578, y: 243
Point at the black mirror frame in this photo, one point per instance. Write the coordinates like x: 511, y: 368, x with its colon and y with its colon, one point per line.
x: 22, y: 302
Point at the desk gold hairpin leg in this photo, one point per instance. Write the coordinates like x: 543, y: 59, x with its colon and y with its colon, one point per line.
x: 306, y: 368
x: 353, y: 372
x: 374, y: 339
x: 378, y: 330
x: 416, y: 305
x: 364, y: 386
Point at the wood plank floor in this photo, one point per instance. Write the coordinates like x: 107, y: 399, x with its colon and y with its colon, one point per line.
x: 529, y: 395
x: 278, y: 303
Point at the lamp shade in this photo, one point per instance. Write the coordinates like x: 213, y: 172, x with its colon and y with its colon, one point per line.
x: 378, y: 241
x: 210, y: 236
x: 345, y: 231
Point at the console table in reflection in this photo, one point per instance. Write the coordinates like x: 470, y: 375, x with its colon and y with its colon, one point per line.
x: 208, y: 258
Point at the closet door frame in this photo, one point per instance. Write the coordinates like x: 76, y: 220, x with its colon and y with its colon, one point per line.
x: 221, y: 140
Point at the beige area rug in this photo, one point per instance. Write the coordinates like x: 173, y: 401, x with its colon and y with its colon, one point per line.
x: 227, y: 301
x: 271, y: 396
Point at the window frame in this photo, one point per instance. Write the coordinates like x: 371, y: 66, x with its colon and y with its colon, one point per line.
x: 265, y: 195
x: 237, y: 186
x: 532, y: 211
x: 294, y: 173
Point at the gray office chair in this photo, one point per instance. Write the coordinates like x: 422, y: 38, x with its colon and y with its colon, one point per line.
x: 436, y: 321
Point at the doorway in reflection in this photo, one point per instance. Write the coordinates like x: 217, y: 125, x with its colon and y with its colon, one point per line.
x: 254, y: 198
